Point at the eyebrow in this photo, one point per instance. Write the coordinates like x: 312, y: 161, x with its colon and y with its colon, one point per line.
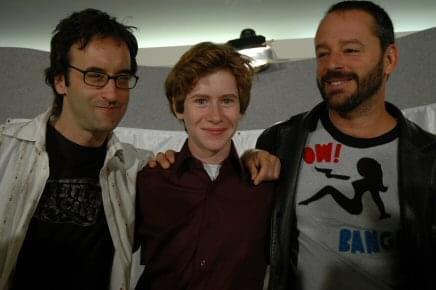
x: 230, y: 95
x: 342, y: 43
x: 97, y: 69
x: 220, y: 96
x: 352, y: 41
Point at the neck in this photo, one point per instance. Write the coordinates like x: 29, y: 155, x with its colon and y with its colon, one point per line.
x: 209, y: 156
x: 369, y: 120
x: 80, y: 137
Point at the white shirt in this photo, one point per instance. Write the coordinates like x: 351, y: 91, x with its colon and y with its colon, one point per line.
x: 24, y: 170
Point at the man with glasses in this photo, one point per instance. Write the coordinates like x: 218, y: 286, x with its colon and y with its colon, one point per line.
x: 67, y: 185
x: 100, y: 79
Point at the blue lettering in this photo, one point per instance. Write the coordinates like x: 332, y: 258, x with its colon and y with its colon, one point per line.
x: 357, y: 244
x: 344, y: 240
x: 365, y: 241
x: 371, y: 242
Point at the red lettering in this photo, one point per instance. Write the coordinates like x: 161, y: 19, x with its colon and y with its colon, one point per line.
x: 309, y: 155
x: 324, y: 152
x: 337, y: 152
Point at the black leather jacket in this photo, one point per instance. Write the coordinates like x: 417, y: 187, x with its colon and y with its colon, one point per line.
x: 417, y: 195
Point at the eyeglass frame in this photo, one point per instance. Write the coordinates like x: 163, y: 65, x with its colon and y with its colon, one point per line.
x: 108, y: 78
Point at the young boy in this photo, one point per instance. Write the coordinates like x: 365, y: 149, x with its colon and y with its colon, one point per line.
x: 202, y: 224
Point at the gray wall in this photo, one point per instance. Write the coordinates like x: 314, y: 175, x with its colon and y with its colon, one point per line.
x: 279, y: 92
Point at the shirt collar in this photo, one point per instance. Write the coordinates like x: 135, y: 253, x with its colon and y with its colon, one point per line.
x: 185, y: 161
x: 114, y: 148
x: 33, y: 130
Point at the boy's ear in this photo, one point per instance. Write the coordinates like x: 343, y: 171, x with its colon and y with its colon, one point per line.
x: 173, y: 106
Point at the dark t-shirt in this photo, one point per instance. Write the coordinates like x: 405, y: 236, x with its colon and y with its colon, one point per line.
x: 68, y: 245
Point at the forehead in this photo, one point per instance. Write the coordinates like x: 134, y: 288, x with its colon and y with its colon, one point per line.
x: 104, y: 51
x: 221, y: 79
x: 348, y: 24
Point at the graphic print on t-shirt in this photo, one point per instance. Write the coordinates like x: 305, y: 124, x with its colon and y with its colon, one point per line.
x: 76, y: 201
x: 371, y: 182
x: 347, y: 211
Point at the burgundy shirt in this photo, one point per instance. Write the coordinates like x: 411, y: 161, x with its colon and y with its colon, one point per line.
x: 201, y: 234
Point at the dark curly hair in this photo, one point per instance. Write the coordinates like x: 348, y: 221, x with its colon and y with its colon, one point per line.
x: 81, y: 27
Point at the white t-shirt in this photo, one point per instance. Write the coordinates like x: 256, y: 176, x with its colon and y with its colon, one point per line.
x: 347, y: 211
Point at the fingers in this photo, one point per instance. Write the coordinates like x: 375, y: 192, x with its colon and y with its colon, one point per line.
x: 250, y: 162
x: 252, y: 167
x: 268, y: 167
x: 152, y: 163
x: 170, y: 155
x: 160, y: 160
x: 164, y: 160
x: 261, y: 176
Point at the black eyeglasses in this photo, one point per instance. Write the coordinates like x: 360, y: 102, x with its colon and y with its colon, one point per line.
x: 100, y: 79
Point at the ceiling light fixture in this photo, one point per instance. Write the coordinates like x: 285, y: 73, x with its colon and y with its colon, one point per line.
x: 255, y: 47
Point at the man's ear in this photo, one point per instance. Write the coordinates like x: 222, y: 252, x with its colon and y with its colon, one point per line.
x: 60, y: 85
x: 390, y: 58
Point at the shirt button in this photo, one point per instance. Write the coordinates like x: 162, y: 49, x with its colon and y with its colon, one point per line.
x: 202, y: 263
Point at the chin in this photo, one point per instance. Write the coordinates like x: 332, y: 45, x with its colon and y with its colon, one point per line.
x: 217, y: 146
x: 337, y: 101
x: 110, y: 123
x: 106, y: 128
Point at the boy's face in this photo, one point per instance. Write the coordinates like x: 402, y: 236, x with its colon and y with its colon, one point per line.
x: 211, y: 116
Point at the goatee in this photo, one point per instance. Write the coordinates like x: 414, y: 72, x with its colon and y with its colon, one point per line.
x: 367, y: 87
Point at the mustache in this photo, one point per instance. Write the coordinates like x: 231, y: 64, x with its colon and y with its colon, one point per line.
x: 331, y: 74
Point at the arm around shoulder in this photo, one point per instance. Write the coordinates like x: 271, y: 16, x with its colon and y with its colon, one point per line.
x: 266, y: 139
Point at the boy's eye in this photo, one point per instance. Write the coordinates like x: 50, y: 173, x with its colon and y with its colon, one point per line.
x: 200, y: 101
x: 228, y: 100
